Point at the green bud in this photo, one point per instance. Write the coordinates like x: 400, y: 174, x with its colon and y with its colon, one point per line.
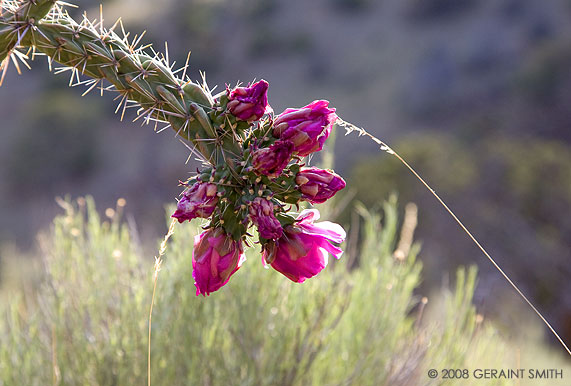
x: 162, y: 73
x: 171, y: 99
x: 200, y: 115
x: 196, y: 94
x: 127, y: 65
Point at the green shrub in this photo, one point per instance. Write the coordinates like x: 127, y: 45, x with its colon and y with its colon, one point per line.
x: 87, y: 325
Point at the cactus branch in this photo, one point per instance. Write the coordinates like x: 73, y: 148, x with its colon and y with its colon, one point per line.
x: 141, y: 79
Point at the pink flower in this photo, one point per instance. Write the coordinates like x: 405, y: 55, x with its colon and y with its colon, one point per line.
x: 199, y: 201
x: 262, y: 214
x: 318, y: 185
x: 216, y: 257
x: 307, y: 127
x: 270, y: 161
x: 249, y: 103
x: 303, y: 250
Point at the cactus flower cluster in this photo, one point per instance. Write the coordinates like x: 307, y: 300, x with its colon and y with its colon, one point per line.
x: 260, y: 191
x: 255, y: 173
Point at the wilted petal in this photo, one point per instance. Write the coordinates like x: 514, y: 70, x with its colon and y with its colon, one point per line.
x: 198, y: 201
x: 272, y: 160
x: 249, y: 103
x: 262, y: 214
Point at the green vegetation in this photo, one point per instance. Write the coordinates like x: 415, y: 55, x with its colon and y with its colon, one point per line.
x: 87, y: 322
x: 497, y: 185
x: 523, y: 165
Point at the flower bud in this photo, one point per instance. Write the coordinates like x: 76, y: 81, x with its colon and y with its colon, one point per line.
x: 272, y: 160
x: 303, y: 249
x: 318, y: 185
x: 249, y: 103
x: 216, y: 257
x: 307, y: 127
x: 262, y: 214
x: 199, y: 201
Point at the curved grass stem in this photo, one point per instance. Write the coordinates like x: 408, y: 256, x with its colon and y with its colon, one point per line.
x: 158, y: 264
x: 361, y: 132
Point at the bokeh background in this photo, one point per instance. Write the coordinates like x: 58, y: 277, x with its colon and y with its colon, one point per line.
x: 475, y: 94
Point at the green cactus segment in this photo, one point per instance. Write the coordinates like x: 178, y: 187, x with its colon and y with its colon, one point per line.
x: 196, y: 93
x: 8, y: 38
x: 136, y: 75
x: 34, y: 9
x: 22, y: 20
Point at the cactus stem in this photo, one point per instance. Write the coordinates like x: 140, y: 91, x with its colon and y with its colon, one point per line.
x: 143, y: 79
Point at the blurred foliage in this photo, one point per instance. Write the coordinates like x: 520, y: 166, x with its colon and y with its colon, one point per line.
x: 267, y: 42
x: 260, y: 8
x: 426, y: 10
x: 455, y: 169
x: 544, y: 79
x: 514, y: 194
x: 88, y: 322
x: 351, y: 5
x: 57, y: 144
x: 535, y: 175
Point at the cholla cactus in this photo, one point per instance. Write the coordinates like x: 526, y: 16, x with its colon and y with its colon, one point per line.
x: 254, y: 170
x: 254, y: 161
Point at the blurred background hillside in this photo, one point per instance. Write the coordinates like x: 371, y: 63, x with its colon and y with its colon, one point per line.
x: 474, y: 93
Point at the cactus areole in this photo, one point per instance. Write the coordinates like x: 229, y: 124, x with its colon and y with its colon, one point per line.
x: 253, y: 173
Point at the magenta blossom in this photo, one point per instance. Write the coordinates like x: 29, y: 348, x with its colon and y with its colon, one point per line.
x: 272, y: 160
x: 249, y: 103
x: 318, y: 185
x: 307, y: 127
x: 262, y: 214
x: 199, y: 201
x: 303, y: 250
x: 216, y: 257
